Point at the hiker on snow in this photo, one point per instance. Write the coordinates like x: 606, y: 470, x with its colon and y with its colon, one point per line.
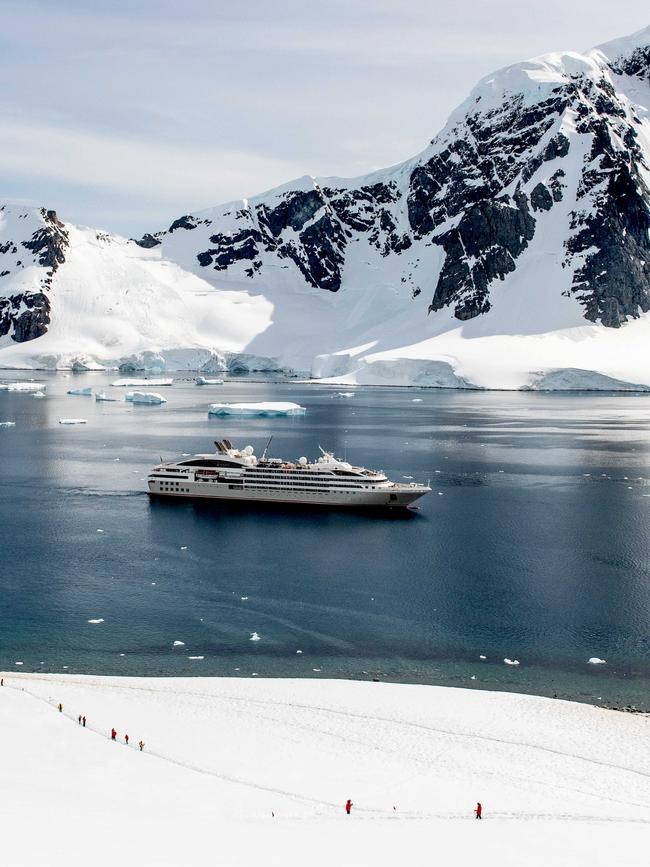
x: 126, y: 740
x: 478, y: 810
x: 141, y: 745
x: 348, y: 806
x: 60, y: 707
x: 83, y: 721
x: 113, y: 734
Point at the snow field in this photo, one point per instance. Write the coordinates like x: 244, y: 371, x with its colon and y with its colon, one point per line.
x: 560, y: 782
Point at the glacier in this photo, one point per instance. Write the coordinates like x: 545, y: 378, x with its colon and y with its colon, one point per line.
x: 514, y: 246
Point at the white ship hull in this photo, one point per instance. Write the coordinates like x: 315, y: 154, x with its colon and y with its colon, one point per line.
x: 398, y: 497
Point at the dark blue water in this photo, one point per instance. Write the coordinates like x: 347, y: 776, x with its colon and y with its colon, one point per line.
x: 533, y: 544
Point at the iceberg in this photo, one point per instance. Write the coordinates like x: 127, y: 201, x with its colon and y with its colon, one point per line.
x: 101, y: 395
x: 148, y: 397
x: 596, y: 660
x: 7, y: 424
x: 86, y: 392
x: 38, y: 394
x: 131, y: 383
x: 28, y: 387
x: 201, y: 380
x: 264, y: 408
x: 73, y: 421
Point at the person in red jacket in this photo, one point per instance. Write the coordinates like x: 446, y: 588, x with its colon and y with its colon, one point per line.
x: 113, y: 734
x: 348, y: 806
x: 126, y: 740
x: 478, y: 810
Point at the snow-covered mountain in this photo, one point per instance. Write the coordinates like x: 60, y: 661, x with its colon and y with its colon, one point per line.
x: 515, y: 246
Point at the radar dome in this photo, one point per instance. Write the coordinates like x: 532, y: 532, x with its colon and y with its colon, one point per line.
x: 302, y: 462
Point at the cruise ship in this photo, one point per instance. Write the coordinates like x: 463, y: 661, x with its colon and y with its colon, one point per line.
x: 234, y: 474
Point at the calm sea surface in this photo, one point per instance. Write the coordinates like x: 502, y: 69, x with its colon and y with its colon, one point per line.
x: 534, y: 544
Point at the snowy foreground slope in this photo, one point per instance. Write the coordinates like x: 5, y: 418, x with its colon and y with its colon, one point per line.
x: 514, y: 248
x: 560, y: 783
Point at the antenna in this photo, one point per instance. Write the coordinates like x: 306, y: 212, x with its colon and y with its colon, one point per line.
x: 267, y: 447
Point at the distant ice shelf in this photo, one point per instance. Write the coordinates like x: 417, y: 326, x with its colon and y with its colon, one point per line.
x: 264, y: 408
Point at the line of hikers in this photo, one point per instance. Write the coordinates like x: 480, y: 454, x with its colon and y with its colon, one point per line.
x: 81, y: 719
x: 478, y: 810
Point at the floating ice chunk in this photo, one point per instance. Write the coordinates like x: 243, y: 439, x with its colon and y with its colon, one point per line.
x: 511, y: 661
x: 254, y: 637
x: 196, y: 657
x: 149, y: 397
x: 183, y: 547
x: 473, y: 677
x: 417, y: 400
x: 27, y: 387
x: 97, y: 620
x: 179, y: 644
x: 85, y: 392
x: 100, y: 531
x: 595, y: 660
x: 18, y: 663
x: 134, y: 383
x: 7, y: 424
x: 264, y: 408
x: 317, y: 669
x: 101, y: 395
x: 482, y: 656
x: 38, y: 394
x: 73, y: 421
x: 344, y: 394
x: 298, y: 651
x: 407, y: 477
x: 201, y: 380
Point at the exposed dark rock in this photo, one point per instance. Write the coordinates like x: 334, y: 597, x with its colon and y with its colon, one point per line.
x: 540, y: 198
x: 29, y: 324
x: 147, y: 241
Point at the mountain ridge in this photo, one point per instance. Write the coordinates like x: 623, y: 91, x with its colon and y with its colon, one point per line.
x: 528, y: 215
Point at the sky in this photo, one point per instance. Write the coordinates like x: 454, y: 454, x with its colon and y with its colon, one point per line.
x: 125, y: 114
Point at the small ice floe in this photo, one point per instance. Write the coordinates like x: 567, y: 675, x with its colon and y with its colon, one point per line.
x: 264, y: 408
x: 417, y: 400
x: 7, y: 424
x: 196, y: 657
x: 440, y: 494
x: 73, y: 421
x: 473, y: 677
x: 183, y: 547
x: 101, y: 395
x: 134, y: 383
x: 254, y: 674
x: 298, y: 651
x: 407, y: 477
x: 511, y: 661
x: 343, y: 394
x: 26, y: 387
x: 201, y: 380
x: 100, y: 531
x: 38, y: 394
x: 122, y: 654
x: 97, y: 620
x: 186, y: 454
x: 153, y: 583
x: 151, y: 398
x: 482, y: 656
x: 179, y: 644
x: 317, y: 669
x: 243, y: 598
x: 83, y: 392
x: 254, y: 637
x: 596, y: 660
x: 18, y: 663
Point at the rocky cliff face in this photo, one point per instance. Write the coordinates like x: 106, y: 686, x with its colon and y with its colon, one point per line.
x: 554, y: 147
x: 25, y: 309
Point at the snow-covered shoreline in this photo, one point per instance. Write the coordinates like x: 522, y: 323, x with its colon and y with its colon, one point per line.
x: 256, y: 770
